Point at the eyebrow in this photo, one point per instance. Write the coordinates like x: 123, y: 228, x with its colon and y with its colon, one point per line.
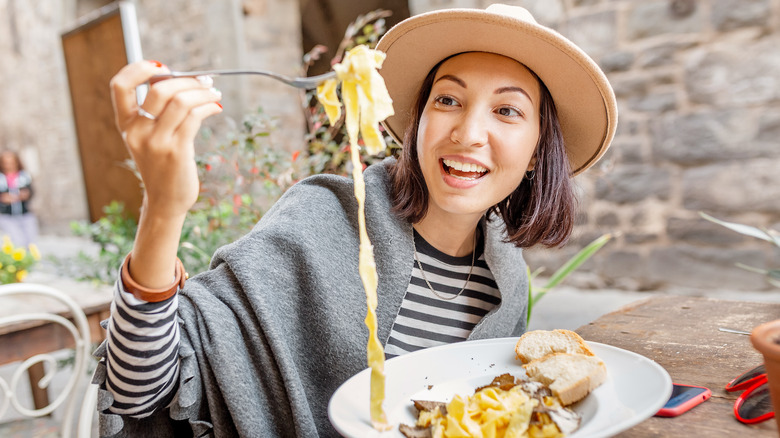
x: 460, y: 82
x: 452, y: 78
x: 513, y: 89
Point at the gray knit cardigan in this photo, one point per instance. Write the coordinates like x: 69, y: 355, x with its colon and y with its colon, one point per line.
x: 276, y: 325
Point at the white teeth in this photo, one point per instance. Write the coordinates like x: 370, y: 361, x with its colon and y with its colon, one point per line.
x: 464, y: 167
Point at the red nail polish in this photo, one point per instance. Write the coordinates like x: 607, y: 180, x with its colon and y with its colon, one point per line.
x: 220, y: 105
x: 156, y: 63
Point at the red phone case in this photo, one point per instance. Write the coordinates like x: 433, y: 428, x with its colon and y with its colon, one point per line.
x: 686, y: 404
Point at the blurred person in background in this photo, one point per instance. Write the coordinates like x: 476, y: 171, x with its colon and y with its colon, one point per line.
x: 16, y: 219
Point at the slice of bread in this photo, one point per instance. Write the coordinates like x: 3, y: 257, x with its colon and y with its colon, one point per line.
x: 537, y: 344
x: 570, y: 377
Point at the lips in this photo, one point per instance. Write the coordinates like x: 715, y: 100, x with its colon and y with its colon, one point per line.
x: 461, y: 170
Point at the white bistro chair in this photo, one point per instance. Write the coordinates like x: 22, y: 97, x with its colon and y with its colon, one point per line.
x: 74, y: 387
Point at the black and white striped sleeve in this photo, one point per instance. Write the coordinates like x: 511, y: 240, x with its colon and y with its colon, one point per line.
x: 142, y: 358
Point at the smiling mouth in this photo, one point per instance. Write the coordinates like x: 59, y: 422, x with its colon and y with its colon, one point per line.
x: 465, y: 171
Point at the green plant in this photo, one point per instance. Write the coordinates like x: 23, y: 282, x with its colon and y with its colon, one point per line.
x: 241, y: 172
x: 328, y: 145
x: 241, y: 175
x: 15, y: 262
x: 114, y: 234
x: 769, y: 235
x: 534, y: 295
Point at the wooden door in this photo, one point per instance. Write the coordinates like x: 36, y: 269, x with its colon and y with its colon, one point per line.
x: 95, y: 50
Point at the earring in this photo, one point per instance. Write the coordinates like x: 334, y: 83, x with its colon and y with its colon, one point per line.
x: 530, y: 174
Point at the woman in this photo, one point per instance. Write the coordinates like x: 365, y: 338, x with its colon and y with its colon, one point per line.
x: 16, y: 219
x: 257, y: 345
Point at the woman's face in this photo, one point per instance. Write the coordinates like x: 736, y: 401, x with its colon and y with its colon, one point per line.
x: 477, y: 133
x: 8, y: 163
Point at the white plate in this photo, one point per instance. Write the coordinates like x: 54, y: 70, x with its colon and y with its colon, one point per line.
x: 635, y: 389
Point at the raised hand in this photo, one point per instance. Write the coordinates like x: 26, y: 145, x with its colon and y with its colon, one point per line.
x: 160, y: 137
x: 160, y: 133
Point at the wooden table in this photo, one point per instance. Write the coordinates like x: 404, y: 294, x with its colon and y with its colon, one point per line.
x: 23, y: 340
x: 681, y: 334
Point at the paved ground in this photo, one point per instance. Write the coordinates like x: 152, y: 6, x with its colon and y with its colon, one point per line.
x: 564, y: 307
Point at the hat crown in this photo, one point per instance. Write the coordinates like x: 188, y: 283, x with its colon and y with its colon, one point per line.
x: 516, y: 12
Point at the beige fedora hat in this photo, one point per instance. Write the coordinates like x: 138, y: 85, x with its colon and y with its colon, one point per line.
x: 583, y: 97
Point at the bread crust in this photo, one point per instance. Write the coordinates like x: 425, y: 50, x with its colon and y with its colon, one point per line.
x: 537, y: 344
x: 562, y: 360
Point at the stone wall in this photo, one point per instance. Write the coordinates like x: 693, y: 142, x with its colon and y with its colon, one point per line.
x: 37, y: 118
x: 697, y: 86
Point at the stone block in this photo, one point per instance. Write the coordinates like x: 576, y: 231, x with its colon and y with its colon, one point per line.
x: 664, y: 54
x: 733, y: 14
x: 655, y: 102
x: 581, y: 218
x: 594, y: 33
x: 739, y: 187
x: 629, y: 152
x: 709, y: 136
x: 629, y: 127
x: 769, y: 127
x: 734, y: 74
x: 701, y: 268
x: 630, y: 87
x: 621, y: 264
x: 628, y: 184
x: 616, y: 61
x: 657, y: 17
x: 586, y: 2
x: 640, y: 218
x: 607, y: 219
x: 700, y: 232
x: 638, y: 238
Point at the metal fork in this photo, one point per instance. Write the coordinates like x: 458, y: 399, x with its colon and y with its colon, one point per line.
x: 300, y: 82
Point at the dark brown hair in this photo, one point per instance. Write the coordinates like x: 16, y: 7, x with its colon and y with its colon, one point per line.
x: 19, y: 164
x: 539, y: 211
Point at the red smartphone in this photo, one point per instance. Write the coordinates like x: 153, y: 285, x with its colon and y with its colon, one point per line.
x: 683, y: 398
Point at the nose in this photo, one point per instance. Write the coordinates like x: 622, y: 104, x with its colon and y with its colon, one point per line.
x: 470, y: 130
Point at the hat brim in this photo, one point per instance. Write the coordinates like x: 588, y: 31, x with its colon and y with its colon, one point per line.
x: 583, y: 97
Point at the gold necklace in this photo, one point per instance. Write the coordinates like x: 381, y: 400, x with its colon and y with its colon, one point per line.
x: 471, y: 269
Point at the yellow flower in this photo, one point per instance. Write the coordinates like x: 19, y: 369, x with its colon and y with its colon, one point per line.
x: 7, y: 240
x: 21, y: 275
x: 7, y: 248
x: 19, y: 254
x: 11, y: 268
x: 1, y: 266
x: 36, y: 254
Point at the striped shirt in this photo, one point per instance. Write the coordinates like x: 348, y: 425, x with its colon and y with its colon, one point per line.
x: 143, y: 338
x: 426, y: 320
x: 143, y: 347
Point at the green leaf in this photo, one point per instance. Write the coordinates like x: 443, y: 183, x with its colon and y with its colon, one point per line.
x: 581, y: 257
x: 562, y: 272
x: 747, y: 230
x: 752, y: 269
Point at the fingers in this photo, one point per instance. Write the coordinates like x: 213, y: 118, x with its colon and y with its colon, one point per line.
x: 123, y: 85
x: 190, y: 126
x: 163, y: 92
x: 171, y: 103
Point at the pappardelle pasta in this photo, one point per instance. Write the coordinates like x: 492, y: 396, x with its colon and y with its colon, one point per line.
x: 506, y: 408
x: 367, y: 103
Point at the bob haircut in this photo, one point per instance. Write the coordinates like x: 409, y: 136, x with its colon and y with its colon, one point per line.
x: 541, y: 210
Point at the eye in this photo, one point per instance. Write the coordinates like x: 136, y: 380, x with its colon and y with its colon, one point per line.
x: 508, y: 111
x: 445, y: 101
